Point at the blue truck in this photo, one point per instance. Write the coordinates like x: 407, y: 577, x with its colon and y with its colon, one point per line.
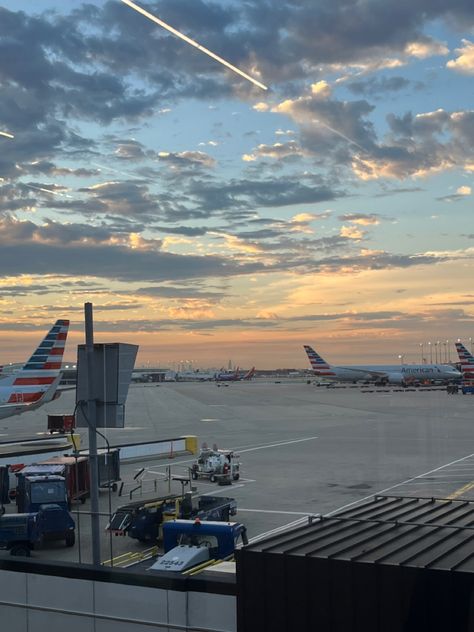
x: 46, y: 498
x: 188, y: 544
x: 19, y: 533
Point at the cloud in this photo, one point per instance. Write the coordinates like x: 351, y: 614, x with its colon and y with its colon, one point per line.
x: 461, y: 193
x: 277, y: 151
x: 379, y: 85
x: 351, y: 232
x: 180, y: 160
x: 89, y: 251
x: 251, y: 194
x: 464, y: 63
x: 361, y: 219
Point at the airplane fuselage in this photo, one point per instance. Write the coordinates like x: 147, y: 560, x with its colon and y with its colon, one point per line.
x: 391, y: 373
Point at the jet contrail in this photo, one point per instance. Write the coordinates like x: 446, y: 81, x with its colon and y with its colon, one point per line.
x: 122, y: 173
x: 31, y: 186
x: 153, y: 18
x: 334, y: 131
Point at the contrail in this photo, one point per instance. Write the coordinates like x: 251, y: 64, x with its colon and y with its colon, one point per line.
x: 169, y: 28
x: 122, y: 173
x: 335, y: 131
x: 31, y: 186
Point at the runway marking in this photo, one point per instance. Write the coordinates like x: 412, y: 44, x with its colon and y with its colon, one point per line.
x: 277, y: 530
x: 274, y: 511
x: 276, y: 445
x: 437, y: 481
x: 461, y: 491
x: 409, y: 480
x: 219, y: 491
x: 303, y: 520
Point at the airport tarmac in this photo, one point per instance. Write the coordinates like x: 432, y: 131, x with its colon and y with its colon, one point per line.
x: 304, y: 449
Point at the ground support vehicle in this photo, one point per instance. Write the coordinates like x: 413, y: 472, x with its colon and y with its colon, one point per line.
x: 467, y: 389
x: 4, y: 487
x: 47, y: 495
x: 74, y: 471
x: 144, y: 521
x: 191, y: 543
x: 108, y: 463
x: 61, y: 423
x: 19, y: 533
x: 216, y: 465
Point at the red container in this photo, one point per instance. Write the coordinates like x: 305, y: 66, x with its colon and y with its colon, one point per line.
x: 61, y: 423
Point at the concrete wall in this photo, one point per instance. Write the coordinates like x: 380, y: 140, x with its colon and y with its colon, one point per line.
x: 32, y: 602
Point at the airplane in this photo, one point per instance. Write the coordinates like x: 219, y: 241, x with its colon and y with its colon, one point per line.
x: 36, y: 383
x: 467, y: 362
x: 249, y: 375
x: 235, y: 376
x: 382, y: 374
x: 228, y: 376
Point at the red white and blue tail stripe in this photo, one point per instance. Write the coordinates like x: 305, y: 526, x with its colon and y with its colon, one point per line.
x: 467, y: 362
x: 41, y: 372
x: 318, y: 364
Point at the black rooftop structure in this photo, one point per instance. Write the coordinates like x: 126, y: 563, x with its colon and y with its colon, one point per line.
x: 392, y: 564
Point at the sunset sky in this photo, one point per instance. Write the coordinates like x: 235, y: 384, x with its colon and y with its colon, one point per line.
x: 209, y: 220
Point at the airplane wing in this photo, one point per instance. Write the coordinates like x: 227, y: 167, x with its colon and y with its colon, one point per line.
x: 17, y: 408
x: 9, y: 410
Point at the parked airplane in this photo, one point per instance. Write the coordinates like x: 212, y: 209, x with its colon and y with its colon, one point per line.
x: 467, y: 362
x: 235, y: 376
x: 228, y: 376
x: 37, y: 381
x: 382, y: 374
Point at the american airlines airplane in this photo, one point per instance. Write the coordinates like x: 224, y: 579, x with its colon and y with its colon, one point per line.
x: 467, y: 362
x: 37, y: 381
x: 382, y: 374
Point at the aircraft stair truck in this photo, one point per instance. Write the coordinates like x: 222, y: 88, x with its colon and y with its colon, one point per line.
x: 144, y: 521
x: 216, y: 465
x: 192, y: 543
x: 47, y: 495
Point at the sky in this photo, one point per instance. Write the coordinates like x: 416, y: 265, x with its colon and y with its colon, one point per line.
x: 207, y: 219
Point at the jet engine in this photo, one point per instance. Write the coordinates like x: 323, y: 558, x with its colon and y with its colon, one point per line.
x: 397, y: 378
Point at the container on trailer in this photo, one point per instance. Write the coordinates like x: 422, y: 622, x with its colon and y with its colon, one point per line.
x: 61, y: 423
x: 76, y: 472
x: 108, y: 461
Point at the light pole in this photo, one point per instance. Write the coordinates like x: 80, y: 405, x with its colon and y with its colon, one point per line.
x: 400, y: 357
x: 421, y: 347
x: 431, y: 352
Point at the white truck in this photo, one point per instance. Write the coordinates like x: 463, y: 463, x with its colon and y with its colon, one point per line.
x: 216, y: 465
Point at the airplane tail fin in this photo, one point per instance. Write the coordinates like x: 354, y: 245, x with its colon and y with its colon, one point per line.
x: 318, y: 364
x: 49, y: 354
x: 467, y: 361
x: 249, y: 375
x: 43, y: 367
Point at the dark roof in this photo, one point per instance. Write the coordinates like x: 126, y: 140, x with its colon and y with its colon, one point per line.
x: 405, y: 531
